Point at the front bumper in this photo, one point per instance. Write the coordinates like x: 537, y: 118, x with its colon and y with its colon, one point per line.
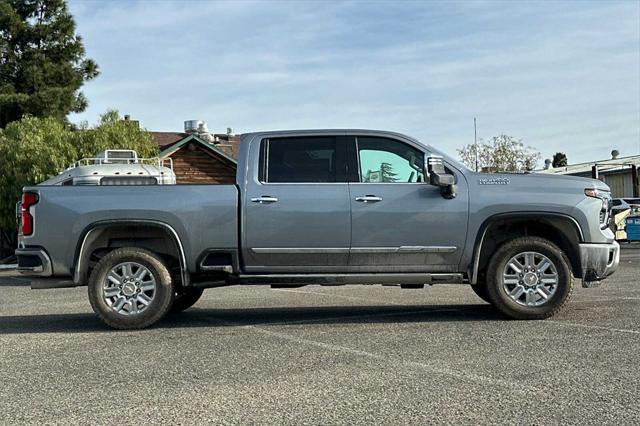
x: 598, y: 261
x: 34, y: 262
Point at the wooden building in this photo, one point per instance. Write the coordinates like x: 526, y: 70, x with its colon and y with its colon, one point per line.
x: 198, y: 159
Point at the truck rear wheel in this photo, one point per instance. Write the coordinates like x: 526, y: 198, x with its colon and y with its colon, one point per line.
x: 529, y: 278
x: 185, y: 298
x: 130, y: 288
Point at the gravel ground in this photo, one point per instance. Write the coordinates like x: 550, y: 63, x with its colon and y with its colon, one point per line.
x: 318, y: 355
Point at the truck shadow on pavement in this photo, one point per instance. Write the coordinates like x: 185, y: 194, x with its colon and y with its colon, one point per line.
x: 274, y: 316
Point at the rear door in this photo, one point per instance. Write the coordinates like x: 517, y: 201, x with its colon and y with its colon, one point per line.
x: 400, y: 222
x: 297, y: 209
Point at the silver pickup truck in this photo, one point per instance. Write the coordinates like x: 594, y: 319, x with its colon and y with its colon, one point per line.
x: 324, y: 207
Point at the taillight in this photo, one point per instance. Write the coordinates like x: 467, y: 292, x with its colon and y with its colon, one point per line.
x: 28, y: 199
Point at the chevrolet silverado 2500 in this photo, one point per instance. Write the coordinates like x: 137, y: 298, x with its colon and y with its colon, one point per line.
x: 325, y: 207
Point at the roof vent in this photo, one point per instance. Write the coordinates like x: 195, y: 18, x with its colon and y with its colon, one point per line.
x: 547, y: 163
x: 615, y: 154
x: 192, y: 126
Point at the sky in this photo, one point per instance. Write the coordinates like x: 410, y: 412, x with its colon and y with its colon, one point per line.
x: 559, y: 75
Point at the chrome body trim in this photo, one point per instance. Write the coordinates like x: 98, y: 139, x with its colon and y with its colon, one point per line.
x: 301, y: 250
x: 405, y: 249
x: 227, y: 269
x: 356, y: 250
x: 598, y: 261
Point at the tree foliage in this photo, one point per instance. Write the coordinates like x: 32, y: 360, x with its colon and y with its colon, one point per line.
x: 42, y: 61
x: 559, y: 160
x: 387, y: 174
x: 34, y: 149
x: 503, y: 153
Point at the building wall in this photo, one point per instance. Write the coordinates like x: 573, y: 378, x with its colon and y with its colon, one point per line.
x: 621, y: 184
x: 193, y: 164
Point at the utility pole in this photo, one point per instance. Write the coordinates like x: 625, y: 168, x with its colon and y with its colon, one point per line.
x: 475, y: 140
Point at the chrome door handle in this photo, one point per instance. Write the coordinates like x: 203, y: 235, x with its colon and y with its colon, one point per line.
x: 368, y: 199
x: 265, y: 199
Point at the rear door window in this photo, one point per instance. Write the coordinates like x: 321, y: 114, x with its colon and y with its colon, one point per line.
x: 300, y: 160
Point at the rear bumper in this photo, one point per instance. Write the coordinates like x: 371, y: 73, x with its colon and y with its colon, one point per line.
x: 34, y: 261
x: 599, y: 261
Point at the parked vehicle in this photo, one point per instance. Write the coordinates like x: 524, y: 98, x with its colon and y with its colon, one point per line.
x: 621, y: 209
x: 326, y: 207
x: 113, y: 167
x: 116, y: 167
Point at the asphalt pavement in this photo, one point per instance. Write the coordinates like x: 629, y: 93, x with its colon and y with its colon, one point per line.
x: 324, y: 355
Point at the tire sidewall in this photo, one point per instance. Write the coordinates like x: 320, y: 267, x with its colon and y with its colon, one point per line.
x: 162, y: 300
x: 503, y: 301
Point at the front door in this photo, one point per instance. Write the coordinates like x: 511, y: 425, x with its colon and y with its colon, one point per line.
x: 297, y: 210
x: 400, y: 222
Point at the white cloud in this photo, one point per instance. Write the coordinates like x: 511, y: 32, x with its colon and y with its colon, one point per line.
x: 559, y: 75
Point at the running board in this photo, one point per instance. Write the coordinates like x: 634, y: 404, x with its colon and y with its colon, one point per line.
x: 343, y: 279
x: 228, y: 269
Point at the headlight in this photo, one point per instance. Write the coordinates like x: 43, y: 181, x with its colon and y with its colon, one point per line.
x: 605, y: 198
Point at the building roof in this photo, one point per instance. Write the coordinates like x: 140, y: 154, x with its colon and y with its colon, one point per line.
x: 604, y: 166
x: 170, y: 149
x: 164, y: 139
x: 224, y: 143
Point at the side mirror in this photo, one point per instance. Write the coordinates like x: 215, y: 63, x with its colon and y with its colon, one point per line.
x: 438, y: 176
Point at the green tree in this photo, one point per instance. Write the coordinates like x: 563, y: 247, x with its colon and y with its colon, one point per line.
x: 387, y: 174
x: 503, y: 153
x: 559, y: 160
x: 42, y: 61
x: 34, y: 149
x: 113, y: 133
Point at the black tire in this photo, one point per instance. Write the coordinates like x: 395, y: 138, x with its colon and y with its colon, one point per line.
x: 158, y: 306
x: 480, y: 289
x: 510, y: 307
x: 185, y: 298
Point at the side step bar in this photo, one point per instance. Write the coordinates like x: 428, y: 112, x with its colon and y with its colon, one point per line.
x: 342, y: 279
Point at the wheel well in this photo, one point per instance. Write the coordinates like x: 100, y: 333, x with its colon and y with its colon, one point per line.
x: 103, y: 239
x: 560, y: 231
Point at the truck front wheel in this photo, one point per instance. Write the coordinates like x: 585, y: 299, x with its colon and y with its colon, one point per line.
x: 529, y: 278
x: 130, y: 288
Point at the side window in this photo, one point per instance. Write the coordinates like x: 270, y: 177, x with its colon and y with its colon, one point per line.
x: 299, y: 160
x: 389, y: 161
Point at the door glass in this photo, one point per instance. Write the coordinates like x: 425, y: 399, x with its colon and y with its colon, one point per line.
x: 389, y: 161
x: 298, y: 160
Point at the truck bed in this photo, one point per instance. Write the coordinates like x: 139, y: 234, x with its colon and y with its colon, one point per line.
x: 203, y: 216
